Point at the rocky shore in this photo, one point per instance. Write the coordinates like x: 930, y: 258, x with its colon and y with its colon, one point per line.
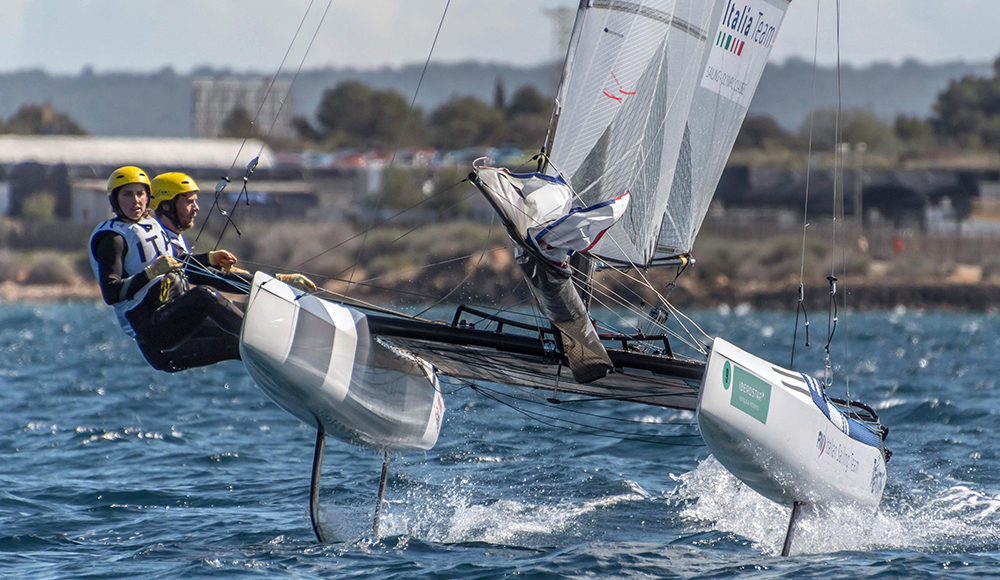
x: 490, y: 288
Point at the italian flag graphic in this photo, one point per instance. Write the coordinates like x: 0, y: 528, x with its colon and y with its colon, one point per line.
x: 730, y: 43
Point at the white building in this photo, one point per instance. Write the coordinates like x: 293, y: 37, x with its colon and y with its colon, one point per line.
x: 213, y: 100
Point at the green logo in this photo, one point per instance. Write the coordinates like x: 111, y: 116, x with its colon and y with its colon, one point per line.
x: 727, y: 376
x: 750, y: 394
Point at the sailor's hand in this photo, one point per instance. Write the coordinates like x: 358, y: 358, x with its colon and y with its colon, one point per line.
x: 298, y: 281
x: 222, y: 259
x: 161, y: 266
x: 239, y: 271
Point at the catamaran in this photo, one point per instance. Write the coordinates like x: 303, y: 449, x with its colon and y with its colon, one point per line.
x: 651, y: 99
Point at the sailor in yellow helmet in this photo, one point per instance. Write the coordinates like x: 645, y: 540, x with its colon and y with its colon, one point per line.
x: 141, y: 277
x: 175, y: 203
x: 129, y: 253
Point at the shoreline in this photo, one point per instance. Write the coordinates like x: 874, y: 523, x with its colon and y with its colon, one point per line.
x: 862, y: 295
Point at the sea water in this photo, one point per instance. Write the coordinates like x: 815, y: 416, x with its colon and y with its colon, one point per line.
x: 113, y: 470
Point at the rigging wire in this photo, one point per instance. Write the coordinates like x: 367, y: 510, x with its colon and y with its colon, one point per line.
x: 281, y: 104
x: 843, y: 247
x: 335, y: 279
x: 411, y: 230
x: 645, y: 281
x: 527, y: 397
x: 468, y: 274
x: 381, y: 223
x: 378, y: 200
x: 838, y: 198
x: 610, y: 294
x: 253, y: 122
x: 596, y: 431
x: 800, y: 307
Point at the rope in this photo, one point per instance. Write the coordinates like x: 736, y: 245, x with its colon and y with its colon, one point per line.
x: 427, y: 62
x: 381, y: 223
x: 253, y: 163
x: 805, y: 210
x: 467, y: 274
x: 596, y: 431
x: 218, y: 190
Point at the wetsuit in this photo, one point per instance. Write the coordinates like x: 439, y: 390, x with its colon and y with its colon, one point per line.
x: 209, y: 342
x: 164, y: 313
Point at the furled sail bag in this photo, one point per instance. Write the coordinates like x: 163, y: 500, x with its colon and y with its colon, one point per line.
x: 538, y: 213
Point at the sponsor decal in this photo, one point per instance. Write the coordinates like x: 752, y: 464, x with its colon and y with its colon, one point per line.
x: 878, y: 477
x: 833, y: 451
x: 750, y: 394
x: 743, y: 39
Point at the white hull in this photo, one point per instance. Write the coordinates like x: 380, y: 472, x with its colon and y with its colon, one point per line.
x: 317, y: 360
x: 766, y: 425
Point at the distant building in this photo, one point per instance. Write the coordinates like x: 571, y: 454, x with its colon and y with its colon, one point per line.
x: 74, y: 170
x: 214, y: 100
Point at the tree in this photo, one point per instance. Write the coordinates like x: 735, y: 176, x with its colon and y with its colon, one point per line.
x: 527, y: 100
x: 42, y: 120
x: 465, y: 122
x: 762, y: 132
x: 239, y: 124
x: 856, y: 126
x: 968, y: 111
x: 527, y: 118
x: 913, y: 132
x: 499, y: 98
x: 353, y: 113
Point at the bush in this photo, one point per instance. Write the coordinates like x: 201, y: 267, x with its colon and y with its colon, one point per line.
x: 11, y: 266
x: 50, y: 269
x: 39, y: 206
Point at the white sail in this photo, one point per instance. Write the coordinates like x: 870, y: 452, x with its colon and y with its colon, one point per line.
x: 653, y: 95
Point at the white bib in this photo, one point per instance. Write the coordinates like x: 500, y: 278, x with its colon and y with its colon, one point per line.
x: 145, y: 241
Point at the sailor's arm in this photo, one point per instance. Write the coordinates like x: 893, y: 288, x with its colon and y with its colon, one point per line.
x: 109, y: 249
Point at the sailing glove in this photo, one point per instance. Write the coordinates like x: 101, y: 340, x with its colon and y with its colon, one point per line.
x: 161, y: 266
x: 222, y: 259
x: 298, y: 281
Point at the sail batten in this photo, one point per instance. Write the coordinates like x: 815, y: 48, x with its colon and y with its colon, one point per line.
x: 652, y: 95
x: 652, y: 13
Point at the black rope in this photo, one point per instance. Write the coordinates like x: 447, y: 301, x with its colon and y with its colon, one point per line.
x: 831, y: 323
x: 795, y: 333
x: 589, y: 429
x: 579, y: 412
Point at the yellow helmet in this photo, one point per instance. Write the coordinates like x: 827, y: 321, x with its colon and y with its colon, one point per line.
x: 167, y: 186
x: 126, y: 175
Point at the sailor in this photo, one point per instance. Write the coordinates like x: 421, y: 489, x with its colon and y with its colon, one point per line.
x: 141, y: 277
x: 175, y: 203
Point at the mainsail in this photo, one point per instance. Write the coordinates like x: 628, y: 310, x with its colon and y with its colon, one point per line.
x: 652, y: 97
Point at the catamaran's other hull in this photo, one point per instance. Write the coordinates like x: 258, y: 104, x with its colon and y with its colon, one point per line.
x: 776, y: 431
x: 318, y: 361
x: 520, y: 360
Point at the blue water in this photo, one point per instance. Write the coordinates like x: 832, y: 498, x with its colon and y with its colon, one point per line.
x: 113, y: 470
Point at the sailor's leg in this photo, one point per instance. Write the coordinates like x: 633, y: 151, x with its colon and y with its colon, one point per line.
x: 381, y: 493
x: 314, y: 485
x: 174, y: 322
x: 208, y: 345
x: 791, y: 528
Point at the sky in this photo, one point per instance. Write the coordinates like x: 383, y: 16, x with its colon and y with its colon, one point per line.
x: 64, y: 36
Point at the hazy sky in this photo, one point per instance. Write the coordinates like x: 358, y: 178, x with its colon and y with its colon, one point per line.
x: 139, y: 35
